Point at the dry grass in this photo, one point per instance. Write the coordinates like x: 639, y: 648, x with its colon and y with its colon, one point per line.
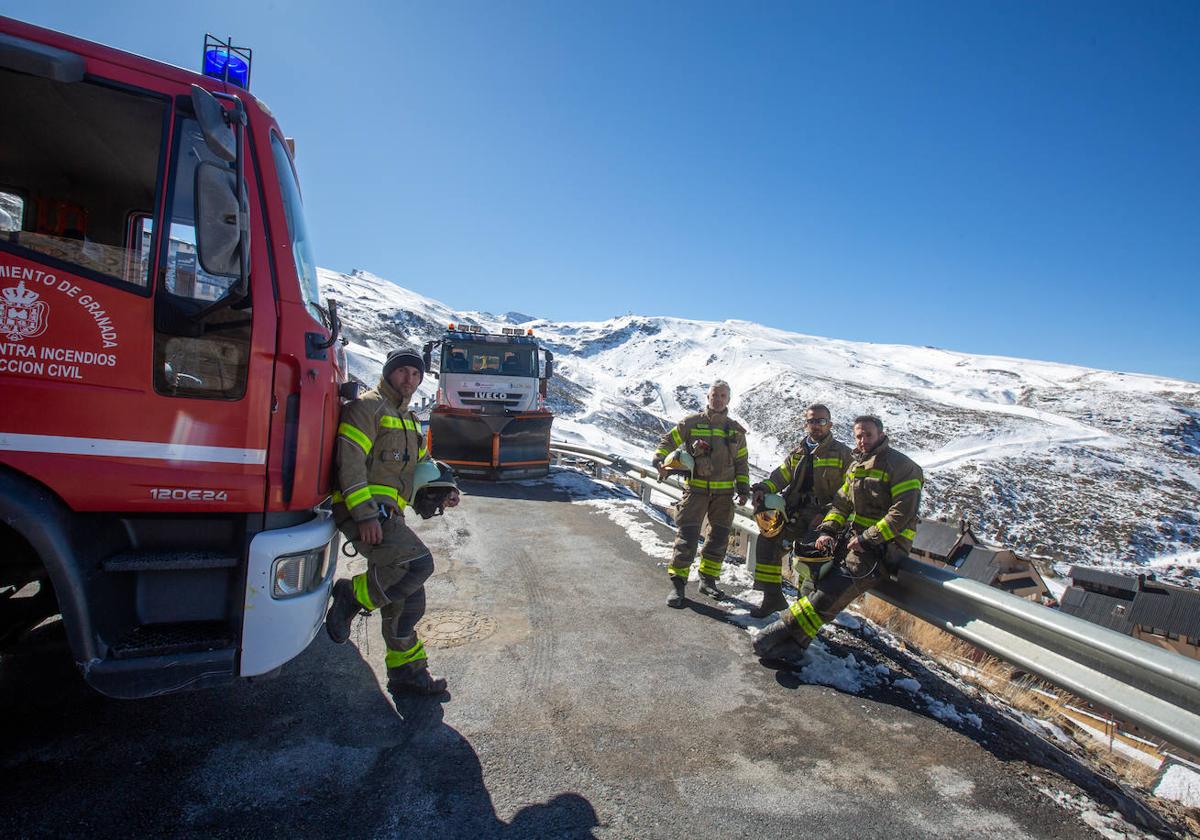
x: 1020, y: 691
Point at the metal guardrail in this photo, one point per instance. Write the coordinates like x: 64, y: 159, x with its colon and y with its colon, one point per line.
x: 1154, y: 688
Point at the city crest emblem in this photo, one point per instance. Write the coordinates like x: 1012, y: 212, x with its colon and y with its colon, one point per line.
x: 22, y: 315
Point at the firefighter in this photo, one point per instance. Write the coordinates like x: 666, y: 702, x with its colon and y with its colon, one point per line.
x: 380, y: 459
x: 807, y: 482
x: 878, y: 504
x: 711, y: 448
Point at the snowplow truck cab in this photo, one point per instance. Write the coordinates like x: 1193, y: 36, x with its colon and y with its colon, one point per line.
x: 490, y: 419
x: 170, y: 374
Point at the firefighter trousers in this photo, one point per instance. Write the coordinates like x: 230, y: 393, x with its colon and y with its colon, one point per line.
x: 857, y: 574
x: 690, y: 514
x: 394, y: 583
x: 769, y: 552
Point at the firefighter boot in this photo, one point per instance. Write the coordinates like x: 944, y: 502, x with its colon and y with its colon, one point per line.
x: 708, y: 586
x: 342, y: 610
x: 773, y: 601
x: 677, y: 598
x: 414, y: 678
x: 779, y: 641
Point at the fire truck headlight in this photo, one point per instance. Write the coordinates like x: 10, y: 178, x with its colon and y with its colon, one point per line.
x: 295, y: 574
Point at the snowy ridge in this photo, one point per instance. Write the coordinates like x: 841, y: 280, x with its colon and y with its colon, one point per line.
x: 1066, y: 462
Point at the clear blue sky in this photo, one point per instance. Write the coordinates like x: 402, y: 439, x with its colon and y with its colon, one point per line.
x: 1006, y: 177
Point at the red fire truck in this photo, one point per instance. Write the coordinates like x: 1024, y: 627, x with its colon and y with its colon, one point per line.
x: 169, y: 376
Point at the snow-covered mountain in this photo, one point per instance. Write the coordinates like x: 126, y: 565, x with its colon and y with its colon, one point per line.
x: 1070, y: 463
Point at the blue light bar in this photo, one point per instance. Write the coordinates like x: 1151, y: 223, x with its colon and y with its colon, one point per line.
x: 220, y: 63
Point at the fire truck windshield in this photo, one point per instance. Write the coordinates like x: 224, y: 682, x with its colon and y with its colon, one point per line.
x: 493, y: 359
x: 293, y: 206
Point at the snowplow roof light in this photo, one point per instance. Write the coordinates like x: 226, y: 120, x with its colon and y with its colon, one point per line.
x: 224, y: 61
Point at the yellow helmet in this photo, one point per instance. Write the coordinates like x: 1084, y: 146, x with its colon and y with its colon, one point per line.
x: 679, y: 461
x: 771, y: 515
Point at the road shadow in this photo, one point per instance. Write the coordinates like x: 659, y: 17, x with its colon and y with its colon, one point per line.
x: 944, y: 701
x: 319, y: 750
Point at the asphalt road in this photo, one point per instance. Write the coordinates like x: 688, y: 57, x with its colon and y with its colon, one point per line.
x: 580, y: 707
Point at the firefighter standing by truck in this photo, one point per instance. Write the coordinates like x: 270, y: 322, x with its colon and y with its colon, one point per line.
x: 382, y: 469
x: 711, y: 448
x: 876, y: 511
x: 805, y: 483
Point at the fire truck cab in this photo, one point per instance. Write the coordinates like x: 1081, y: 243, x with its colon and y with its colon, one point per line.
x: 169, y: 375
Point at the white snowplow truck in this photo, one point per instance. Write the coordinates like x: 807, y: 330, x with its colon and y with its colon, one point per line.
x: 490, y: 418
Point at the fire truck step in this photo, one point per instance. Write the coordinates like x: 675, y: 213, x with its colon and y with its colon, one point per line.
x: 160, y: 639
x: 168, y: 561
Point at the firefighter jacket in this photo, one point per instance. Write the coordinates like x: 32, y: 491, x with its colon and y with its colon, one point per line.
x: 725, y: 467
x: 379, y: 444
x: 880, y: 495
x: 827, y: 465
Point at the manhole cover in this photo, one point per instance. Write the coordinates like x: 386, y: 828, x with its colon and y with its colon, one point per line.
x: 451, y: 628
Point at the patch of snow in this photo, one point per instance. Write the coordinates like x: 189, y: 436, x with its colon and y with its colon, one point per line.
x: 908, y: 684
x: 845, y: 619
x: 1180, y: 783
x: 1110, y: 825
x: 949, y: 713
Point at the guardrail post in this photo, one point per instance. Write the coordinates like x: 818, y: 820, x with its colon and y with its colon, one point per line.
x: 647, y: 491
x: 751, y: 545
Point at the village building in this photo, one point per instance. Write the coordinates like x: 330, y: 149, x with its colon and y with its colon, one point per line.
x: 1141, y: 607
x: 956, y: 547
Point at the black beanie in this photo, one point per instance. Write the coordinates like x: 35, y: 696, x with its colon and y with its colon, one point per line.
x: 403, y: 358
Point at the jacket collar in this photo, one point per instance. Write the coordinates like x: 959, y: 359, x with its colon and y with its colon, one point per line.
x: 715, y: 416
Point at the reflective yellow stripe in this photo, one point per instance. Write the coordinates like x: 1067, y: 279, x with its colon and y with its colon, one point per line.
x: 834, y: 516
x: 358, y: 497
x: 885, y: 529
x: 861, y: 473
x: 710, y: 567
x: 701, y: 484
x: 355, y: 435
x: 396, y: 658
x: 770, y: 485
x: 360, y: 591
x: 707, y: 431
x: 662, y: 451
x: 764, y: 573
x: 742, y: 452
x: 827, y: 462
x: 675, y: 436
x: 678, y: 571
x: 388, y: 492
x: 742, y: 479
x: 863, y: 521
x: 905, y: 486
x: 909, y: 534
x: 806, y: 616
x: 421, y: 453
x: 389, y: 422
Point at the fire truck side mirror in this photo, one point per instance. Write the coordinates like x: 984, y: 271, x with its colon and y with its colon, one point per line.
x: 427, y: 358
x: 549, y: 365
x: 349, y: 391
x: 218, y: 220
x: 218, y: 133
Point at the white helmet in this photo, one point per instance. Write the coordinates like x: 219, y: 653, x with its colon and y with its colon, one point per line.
x: 433, y: 481
x: 771, y: 515
x: 680, y: 461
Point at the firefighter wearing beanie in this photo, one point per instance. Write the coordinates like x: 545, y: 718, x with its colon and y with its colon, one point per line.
x: 379, y: 445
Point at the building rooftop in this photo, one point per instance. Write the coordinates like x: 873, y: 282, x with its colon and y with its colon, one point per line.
x: 1099, y: 577
x: 1105, y: 610
x: 1165, y: 607
x: 936, y: 538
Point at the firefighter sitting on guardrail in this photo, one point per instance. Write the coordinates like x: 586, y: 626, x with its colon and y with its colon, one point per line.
x: 878, y: 504
x: 382, y: 469
x: 805, y: 483
x: 716, y: 447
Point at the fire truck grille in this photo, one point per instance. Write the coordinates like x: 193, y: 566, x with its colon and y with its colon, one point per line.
x: 161, y: 639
